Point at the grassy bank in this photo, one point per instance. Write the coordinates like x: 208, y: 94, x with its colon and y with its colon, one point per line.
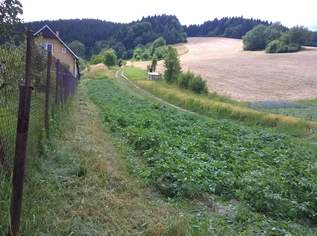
x: 185, y: 155
x: 218, y: 106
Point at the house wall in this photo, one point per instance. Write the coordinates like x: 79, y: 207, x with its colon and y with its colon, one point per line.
x: 64, y: 57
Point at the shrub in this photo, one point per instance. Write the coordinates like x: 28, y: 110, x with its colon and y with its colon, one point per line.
x: 156, y: 49
x: 298, y: 35
x: 160, y: 42
x: 146, y: 55
x: 184, y: 79
x: 273, y: 32
x: 275, y: 40
x: 293, y: 47
x: 137, y: 53
x: 278, y: 46
x: 142, y: 53
x: 274, y: 46
x: 109, y: 57
x: 190, y: 81
x: 96, y: 59
x: 255, y: 38
x: 198, y: 85
x: 160, y: 52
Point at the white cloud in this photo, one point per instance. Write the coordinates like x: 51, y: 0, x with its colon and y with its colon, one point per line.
x: 288, y: 12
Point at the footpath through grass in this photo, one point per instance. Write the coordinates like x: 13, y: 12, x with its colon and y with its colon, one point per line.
x: 185, y: 155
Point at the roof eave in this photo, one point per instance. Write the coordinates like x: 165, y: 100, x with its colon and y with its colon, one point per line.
x: 58, y: 38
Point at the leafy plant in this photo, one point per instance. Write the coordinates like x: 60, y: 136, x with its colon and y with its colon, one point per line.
x: 190, y: 81
x: 188, y: 154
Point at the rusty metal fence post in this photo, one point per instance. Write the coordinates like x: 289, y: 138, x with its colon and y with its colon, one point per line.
x: 47, y: 93
x: 21, y: 144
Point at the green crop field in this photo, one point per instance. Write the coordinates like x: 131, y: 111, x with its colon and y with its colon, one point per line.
x: 185, y: 155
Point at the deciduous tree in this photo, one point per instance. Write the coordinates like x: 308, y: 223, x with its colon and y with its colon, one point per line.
x: 172, y: 65
x: 10, y: 10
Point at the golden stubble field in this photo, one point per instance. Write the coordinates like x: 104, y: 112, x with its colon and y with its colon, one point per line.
x: 250, y: 76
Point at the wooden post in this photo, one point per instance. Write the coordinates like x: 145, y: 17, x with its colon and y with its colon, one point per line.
x: 21, y: 144
x: 57, y: 81
x: 47, y: 93
x: 61, y: 86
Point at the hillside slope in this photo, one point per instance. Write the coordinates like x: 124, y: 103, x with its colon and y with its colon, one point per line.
x: 185, y: 155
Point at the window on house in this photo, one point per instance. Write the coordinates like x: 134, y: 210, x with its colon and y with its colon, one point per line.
x: 63, y: 50
x: 49, y: 47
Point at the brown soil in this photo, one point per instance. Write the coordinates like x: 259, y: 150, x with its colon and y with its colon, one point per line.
x: 246, y: 75
x: 252, y: 76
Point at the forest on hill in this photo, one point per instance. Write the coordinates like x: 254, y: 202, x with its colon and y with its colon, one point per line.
x: 123, y: 38
x: 92, y: 36
x: 230, y: 27
x: 96, y: 35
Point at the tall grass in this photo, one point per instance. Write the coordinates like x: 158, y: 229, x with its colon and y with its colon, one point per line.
x: 219, y: 106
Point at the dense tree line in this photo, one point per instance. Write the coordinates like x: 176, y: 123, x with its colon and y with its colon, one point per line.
x: 97, y: 35
x: 157, y: 49
x: 277, y: 39
x: 313, y: 41
x: 231, y: 27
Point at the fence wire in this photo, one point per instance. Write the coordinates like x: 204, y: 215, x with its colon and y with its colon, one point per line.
x: 52, y: 85
x: 11, y: 74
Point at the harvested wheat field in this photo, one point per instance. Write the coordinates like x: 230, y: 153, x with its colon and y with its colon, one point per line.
x: 252, y: 76
x: 246, y: 75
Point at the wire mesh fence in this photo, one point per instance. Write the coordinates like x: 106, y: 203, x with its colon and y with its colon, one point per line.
x: 8, y: 121
x: 52, y: 85
x: 33, y: 87
x: 11, y: 75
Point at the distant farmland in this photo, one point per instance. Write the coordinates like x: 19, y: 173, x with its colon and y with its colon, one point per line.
x: 251, y: 76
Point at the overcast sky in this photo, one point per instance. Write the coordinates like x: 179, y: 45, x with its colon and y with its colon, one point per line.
x: 289, y: 12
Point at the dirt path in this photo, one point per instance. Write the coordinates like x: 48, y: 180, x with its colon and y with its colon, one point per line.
x: 112, y: 202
